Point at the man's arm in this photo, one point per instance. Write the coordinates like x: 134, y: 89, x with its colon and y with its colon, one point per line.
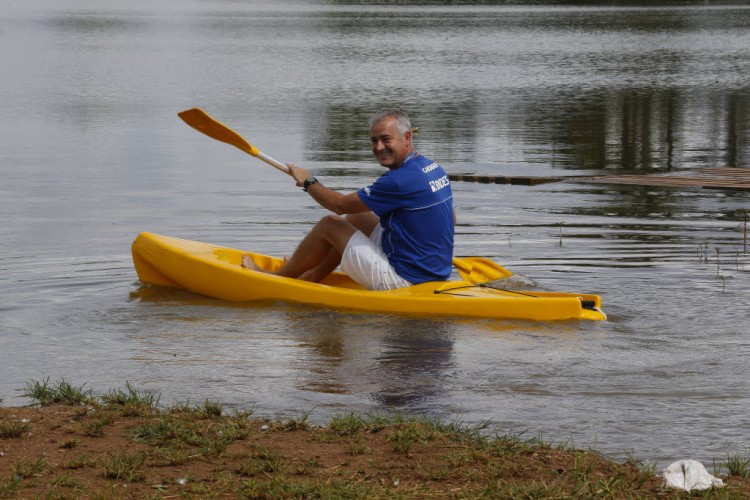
x: 328, y: 198
x: 336, y: 202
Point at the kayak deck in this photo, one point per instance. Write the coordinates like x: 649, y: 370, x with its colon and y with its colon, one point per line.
x: 217, y: 272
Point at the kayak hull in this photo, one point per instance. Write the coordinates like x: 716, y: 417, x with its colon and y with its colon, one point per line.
x: 216, y: 272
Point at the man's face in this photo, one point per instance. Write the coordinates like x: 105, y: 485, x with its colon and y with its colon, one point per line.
x: 388, y: 145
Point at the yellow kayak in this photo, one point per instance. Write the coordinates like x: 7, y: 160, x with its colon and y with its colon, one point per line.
x: 216, y: 272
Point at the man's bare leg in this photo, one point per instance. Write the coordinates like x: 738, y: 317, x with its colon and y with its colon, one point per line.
x: 322, y: 270
x: 364, y: 222
x: 330, y: 234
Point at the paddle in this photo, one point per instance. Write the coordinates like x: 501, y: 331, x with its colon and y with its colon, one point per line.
x: 479, y: 270
x: 473, y: 269
x: 203, y: 122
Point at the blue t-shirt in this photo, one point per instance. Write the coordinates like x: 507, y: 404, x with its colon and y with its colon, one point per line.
x: 415, y: 206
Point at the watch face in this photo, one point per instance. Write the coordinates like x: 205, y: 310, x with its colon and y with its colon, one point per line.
x: 309, y: 182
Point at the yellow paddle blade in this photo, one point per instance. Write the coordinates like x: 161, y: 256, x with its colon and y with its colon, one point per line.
x: 203, y: 122
x: 479, y: 269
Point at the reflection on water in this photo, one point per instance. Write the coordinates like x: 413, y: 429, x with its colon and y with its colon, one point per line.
x: 646, y: 130
x: 397, y: 362
x: 621, y: 129
x: 636, y: 89
x: 419, y: 357
x: 93, y: 153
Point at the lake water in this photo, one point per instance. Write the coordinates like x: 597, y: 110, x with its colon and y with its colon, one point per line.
x: 93, y: 153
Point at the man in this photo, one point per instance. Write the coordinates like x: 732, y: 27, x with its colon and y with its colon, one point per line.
x: 397, y: 232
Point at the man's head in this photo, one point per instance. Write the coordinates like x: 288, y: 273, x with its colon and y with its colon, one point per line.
x: 390, y: 133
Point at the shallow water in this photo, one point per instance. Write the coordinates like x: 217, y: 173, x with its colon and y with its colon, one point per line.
x: 93, y: 153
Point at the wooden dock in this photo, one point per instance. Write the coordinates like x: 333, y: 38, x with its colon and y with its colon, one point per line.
x: 735, y: 179
x: 506, y: 179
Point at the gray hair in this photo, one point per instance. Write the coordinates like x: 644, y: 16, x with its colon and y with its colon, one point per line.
x: 403, y: 124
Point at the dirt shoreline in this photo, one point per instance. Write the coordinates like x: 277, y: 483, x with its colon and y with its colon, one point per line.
x: 124, y: 450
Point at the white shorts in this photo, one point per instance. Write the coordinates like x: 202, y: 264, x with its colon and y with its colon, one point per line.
x: 365, y: 262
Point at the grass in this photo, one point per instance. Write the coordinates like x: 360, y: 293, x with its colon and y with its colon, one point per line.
x: 738, y: 464
x: 99, y: 421
x: 124, y: 466
x: 124, y: 444
x: 60, y: 392
x: 182, y: 430
x: 133, y: 402
x: 13, y: 429
x: 27, y: 467
x: 357, y: 447
x: 407, y: 435
x: 69, y: 444
x: 347, y: 424
x: 262, y: 461
x: 9, y: 486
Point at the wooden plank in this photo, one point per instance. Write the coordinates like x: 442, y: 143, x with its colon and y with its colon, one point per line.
x: 671, y: 181
x: 707, y: 178
x: 504, y: 179
x: 726, y: 171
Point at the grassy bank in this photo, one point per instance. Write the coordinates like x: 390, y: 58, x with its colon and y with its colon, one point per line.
x: 121, y: 444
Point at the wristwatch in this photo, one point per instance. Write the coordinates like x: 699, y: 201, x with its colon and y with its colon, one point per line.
x: 309, y: 182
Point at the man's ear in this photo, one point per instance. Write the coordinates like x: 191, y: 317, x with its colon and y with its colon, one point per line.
x: 407, y: 137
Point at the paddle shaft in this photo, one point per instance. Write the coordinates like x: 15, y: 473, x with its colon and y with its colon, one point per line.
x: 273, y: 163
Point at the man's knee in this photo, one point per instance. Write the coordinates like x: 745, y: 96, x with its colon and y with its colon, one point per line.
x: 336, y: 229
x: 332, y: 222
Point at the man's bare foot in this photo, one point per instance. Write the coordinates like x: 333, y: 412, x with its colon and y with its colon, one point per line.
x: 248, y: 263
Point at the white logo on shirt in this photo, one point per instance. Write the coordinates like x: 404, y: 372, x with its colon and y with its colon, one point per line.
x: 439, y: 184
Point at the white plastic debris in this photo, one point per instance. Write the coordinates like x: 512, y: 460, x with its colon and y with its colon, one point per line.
x: 689, y: 475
